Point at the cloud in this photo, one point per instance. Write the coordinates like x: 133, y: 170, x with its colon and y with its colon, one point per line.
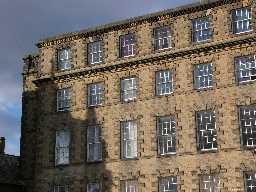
x: 24, y: 22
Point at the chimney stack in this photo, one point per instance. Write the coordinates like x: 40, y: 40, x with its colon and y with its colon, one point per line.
x: 2, y: 145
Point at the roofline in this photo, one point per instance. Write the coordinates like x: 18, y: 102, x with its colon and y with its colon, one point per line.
x: 168, y: 13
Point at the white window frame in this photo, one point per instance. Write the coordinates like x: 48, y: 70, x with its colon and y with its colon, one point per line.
x: 62, y: 151
x: 207, y: 77
x: 66, y: 62
x: 251, y: 125
x: 252, y: 178
x: 98, y: 94
x: 93, y: 49
x: 200, y: 26
x: 245, y: 67
x: 214, y: 182
x: 159, y: 39
x: 201, y: 131
x: 133, y: 89
x: 164, y: 82
x: 165, y: 184
x: 166, y: 132
x: 64, y: 99
x: 129, y: 46
x: 94, y: 144
x: 129, y: 134
x: 60, y: 188
x: 129, y: 186
x: 248, y: 20
x: 91, y: 187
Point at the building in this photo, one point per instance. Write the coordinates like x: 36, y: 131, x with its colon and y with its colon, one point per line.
x: 164, y: 102
x: 9, y: 171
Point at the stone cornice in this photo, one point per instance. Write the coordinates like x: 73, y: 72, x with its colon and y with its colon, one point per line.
x: 154, y: 17
x: 212, y: 48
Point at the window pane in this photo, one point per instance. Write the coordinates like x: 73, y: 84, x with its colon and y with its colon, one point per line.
x: 93, y: 187
x: 62, y: 147
x: 164, y: 82
x: 127, y: 45
x: 63, y: 99
x: 61, y: 188
x: 242, y: 20
x: 166, y: 135
x: 129, y: 139
x: 203, y: 74
x: 168, y: 184
x: 128, y: 89
x: 202, y: 29
x: 95, y: 94
x: 94, y: 145
x: 95, y: 52
x: 207, y: 133
x: 64, y: 59
x: 245, y: 68
x: 250, y: 182
x: 248, y: 126
x: 209, y: 183
x: 129, y: 186
x: 162, y: 38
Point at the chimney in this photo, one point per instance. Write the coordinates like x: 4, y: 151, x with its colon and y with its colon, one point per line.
x: 2, y: 145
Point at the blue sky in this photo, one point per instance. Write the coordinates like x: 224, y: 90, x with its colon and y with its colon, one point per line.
x: 24, y: 22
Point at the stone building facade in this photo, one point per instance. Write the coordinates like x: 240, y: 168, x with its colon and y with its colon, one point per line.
x: 162, y: 102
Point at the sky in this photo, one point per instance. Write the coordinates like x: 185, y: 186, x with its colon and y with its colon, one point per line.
x: 25, y: 22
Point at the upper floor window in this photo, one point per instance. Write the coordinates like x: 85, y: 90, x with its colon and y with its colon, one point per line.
x: 203, y: 76
x: 63, y: 99
x: 250, y: 181
x: 242, y: 20
x: 62, y: 145
x: 206, y: 130
x: 127, y: 45
x: 202, y: 30
x: 245, y: 68
x: 95, y: 52
x: 95, y: 94
x: 64, y: 59
x: 164, y: 82
x: 129, y: 89
x: 209, y: 183
x: 247, y: 126
x: 61, y: 188
x: 94, y: 145
x: 93, y: 187
x: 129, y: 186
x: 129, y: 139
x: 166, y: 135
x: 168, y: 184
x: 162, y: 38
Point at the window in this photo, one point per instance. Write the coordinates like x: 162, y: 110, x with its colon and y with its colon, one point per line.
x: 242, y: 20
x: 209, y: 183
x: 129, y: 139
x: 162, y: 38
x: 129, y: 89
x: 64, y: 59
x: 61, y: 188
x: 248, y: 126
x: 166, y: 135
x: 203, y: 76
x: 168, y: 184
x: 127, y: 45
x: 250, y: 181
x: 95, y: 52
x: 62, y: 147
x: 63, y: 99
x: 206, y: 130
x: 164, y: 82
x: 201, y: 30
x: 94, y: 145
x: 245, y: 68
x: 93, y: 187
x: 95, y: 94
x: 129, y: 186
